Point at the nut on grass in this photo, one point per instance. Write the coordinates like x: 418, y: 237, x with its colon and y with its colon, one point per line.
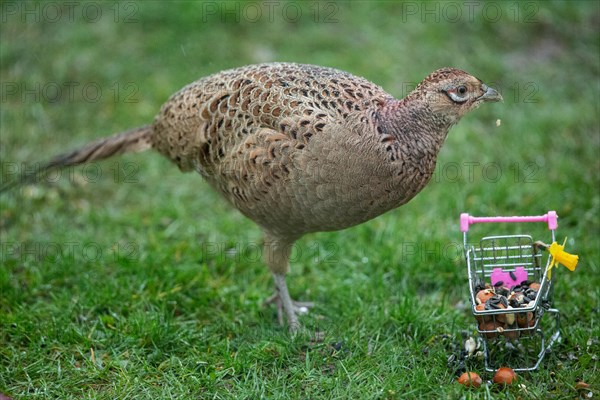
x: 471, y: 346
x: 470, y: 379
x: 582, y: 387
x: 505, y: 376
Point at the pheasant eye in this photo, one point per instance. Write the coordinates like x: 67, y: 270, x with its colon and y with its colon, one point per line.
x: 458, y: 94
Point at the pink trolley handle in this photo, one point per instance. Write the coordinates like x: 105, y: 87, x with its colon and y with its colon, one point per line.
x: 550, y: 217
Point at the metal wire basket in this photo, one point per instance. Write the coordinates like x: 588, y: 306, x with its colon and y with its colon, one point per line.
x: 510, y: 293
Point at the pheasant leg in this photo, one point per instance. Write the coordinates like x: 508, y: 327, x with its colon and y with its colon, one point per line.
x: 277, y: 257
x: 284, y: 303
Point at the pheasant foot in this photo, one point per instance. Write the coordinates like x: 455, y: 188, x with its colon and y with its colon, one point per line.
x: 284, y: 303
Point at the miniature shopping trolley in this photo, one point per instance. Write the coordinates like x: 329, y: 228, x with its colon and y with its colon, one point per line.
x: 510, y: 281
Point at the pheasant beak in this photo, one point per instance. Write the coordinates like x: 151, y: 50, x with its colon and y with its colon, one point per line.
x: 490, y: 94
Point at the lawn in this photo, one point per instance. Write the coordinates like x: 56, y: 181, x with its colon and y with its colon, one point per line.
x: 129, y: 280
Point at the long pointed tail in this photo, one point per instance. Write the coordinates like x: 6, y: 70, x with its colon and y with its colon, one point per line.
x: 131, y: 141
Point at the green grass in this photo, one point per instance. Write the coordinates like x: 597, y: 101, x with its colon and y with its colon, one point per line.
x: 143, y: 283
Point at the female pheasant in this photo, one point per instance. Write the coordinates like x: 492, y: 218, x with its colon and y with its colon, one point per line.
x: 302, y: 148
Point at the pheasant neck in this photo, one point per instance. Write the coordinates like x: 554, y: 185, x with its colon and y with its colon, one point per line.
x: 414, y: 124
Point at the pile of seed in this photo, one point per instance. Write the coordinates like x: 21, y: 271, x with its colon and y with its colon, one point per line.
x: 503, y: 300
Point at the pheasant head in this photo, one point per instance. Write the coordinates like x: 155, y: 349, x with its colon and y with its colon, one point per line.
x: 451, y: 93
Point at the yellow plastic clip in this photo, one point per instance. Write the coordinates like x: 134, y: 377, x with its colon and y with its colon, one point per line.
x: 560, y: 256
